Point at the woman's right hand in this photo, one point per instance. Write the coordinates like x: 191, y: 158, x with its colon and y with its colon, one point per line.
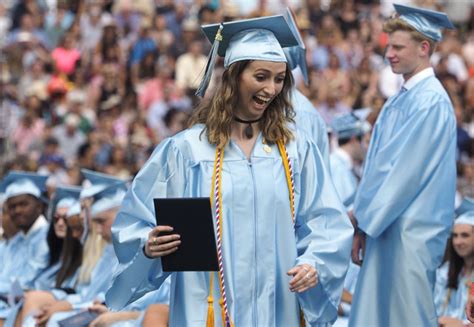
x: 158, y: 246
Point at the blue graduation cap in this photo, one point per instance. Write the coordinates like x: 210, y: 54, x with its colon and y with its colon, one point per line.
x: 428, y: 22
x: 65, y: 196
x: 74, y: 209
x: 296, y: 56
x: 108, y: 198
x: 349, y: 125
x: 18, y: 183
x: 466, y: 205
x: 99, y: 182
x: 247, y: 39
x: 466, y: 218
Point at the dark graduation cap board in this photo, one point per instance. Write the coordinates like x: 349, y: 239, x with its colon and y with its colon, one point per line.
x: 81, y: 319
x: 191, y: 218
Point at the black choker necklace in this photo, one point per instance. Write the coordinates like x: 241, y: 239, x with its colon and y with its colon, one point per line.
x: 248, y: 129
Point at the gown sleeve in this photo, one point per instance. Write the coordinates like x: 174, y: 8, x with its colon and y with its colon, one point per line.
x: 403, y: 166
x: 324, y: 237
x: 163, y: 175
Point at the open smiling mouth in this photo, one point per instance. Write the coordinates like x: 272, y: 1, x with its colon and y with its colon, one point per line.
x: 261, y: 100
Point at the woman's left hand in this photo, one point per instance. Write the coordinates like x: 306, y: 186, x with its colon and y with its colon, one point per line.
x: 304, y: 277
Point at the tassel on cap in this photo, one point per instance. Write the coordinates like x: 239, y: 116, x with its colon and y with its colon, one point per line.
x: 211, y: 62
x: 210, y: 303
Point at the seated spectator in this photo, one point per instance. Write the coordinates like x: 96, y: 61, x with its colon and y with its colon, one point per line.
x: 454, y: 277
x: 57, y: 22
x: 30, y: 129
x: 69, y: 137
x: 61, y: 202
x: 65, y: 253
x: 163, y: 84
x: 54, y: 167
x: 104, y: 207
x: 27, y: 33
x: 332, y: 106
x: 66, y: 55
x: 190, y: 68
x: 26, y: 254
x: 8, y: 230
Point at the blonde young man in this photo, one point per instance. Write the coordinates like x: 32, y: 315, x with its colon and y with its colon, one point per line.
x: 404, y: 206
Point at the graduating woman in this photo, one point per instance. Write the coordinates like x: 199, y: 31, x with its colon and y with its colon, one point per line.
x: 454, y: 278
x: 280, y: 227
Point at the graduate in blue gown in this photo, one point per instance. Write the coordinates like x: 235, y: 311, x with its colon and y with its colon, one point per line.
x: 60, y: 252
x: 349, y: 130
x: 272, y: 267
x: 453, y: 279
x: 55, y: 305
x: 307, y: 116
x: 26, y: 254
x: 65, y: 278
x: 8, y: 229
x: 103, y: 212
x: 405, y: 202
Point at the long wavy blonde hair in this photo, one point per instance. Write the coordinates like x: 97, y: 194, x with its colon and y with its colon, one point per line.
x: 217, y: 112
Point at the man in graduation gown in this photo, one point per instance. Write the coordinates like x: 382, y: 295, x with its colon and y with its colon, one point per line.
x: 349, y: 130
x: 405, y: 203
x: 26, y: 254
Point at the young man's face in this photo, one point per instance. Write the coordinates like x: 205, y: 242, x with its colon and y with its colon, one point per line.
x: 23, y: 210
x: 404, y: 54
x: 104, y: 220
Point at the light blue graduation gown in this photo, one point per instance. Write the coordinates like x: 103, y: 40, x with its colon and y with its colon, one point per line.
x: 101, y: 279
x: 310, y: 121
x: 161, y: 295
x: 86, y: 294
x: 455, y: 305
x: 3, y: 248
x: 343, y: 177
x: 405, y: 204
x: 25, y: 256
x: 47, y: 278
x: 259, y: 241
x: 349, y: 285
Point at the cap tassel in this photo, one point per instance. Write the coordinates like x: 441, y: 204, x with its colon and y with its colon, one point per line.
x: 211, y: 62
x: 210, y: 305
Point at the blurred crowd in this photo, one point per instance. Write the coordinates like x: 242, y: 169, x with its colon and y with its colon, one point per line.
x: 98, y: 84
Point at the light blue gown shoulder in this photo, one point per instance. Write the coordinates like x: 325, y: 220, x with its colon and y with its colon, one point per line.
x: 309, y: 120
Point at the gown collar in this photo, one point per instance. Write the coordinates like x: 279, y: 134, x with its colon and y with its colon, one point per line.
x: 344, y: 156
x: 418, y: 77
x: 39, y: 223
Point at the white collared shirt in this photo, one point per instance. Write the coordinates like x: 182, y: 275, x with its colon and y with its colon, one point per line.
x: 344, y: 156
x: 39, y: 223
x: 418, y: 77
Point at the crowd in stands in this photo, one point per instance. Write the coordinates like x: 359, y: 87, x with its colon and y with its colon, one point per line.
x: 97, y: 84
